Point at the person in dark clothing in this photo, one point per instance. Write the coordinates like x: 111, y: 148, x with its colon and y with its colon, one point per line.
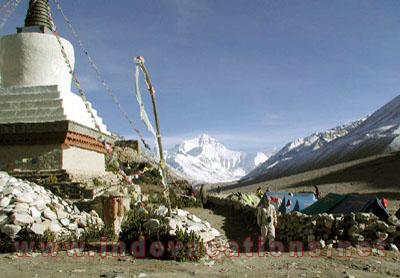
x: 218, y: 189
x: 203, y: 195
x: 398, y: 213
x: 317, y: 193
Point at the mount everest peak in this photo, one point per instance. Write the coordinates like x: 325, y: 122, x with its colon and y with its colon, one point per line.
x: 205, y: 159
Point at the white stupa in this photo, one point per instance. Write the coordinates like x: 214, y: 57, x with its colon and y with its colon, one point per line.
x: 43, y: 125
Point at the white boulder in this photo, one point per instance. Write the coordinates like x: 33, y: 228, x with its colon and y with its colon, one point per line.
x: 49, y: 214
x: 34, y: 212
x: 25, y: 198
x: 21, y: 218
x: 215, y: 232
x: 55, y: 227
x: 37, y: 228
x: 21, y: 207
x: 194, y: 218
x: 4, y: 202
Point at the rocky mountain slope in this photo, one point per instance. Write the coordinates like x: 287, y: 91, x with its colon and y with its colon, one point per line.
x: 377, y: 134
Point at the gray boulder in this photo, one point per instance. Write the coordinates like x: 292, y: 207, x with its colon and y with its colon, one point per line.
x: 3, y: 219
x: 152, y: 226
x: 381, y: 235
x: 382, y: 226
x: 363, y: 217
x: 11, y: 230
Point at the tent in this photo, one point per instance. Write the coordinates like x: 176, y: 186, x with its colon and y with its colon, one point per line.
x: 304, y: 200
x: 288, y: 204
x: 324, y: 204
x: 246, y: 199
x: 297, y: 201
x: 345, y: 204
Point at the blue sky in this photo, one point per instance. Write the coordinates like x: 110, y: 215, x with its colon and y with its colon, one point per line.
x: 252, y: 74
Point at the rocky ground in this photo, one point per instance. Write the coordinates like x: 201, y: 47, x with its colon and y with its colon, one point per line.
x: 268, y: 266
x: 232, y: 226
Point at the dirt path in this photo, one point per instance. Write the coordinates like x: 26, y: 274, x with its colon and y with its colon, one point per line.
x: 269, y: 266
x: 233, y: 226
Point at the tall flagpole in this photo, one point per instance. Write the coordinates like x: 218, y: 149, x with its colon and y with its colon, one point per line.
x: 140, y: 61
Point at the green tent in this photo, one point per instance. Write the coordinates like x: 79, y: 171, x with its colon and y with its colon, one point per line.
x: 346, y: 204
x: 325, y: 204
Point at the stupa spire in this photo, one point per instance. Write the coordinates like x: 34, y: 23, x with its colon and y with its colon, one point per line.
x: 38, y: 14
x: 37, y: 18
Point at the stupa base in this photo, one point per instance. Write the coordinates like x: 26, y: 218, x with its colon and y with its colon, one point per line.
x: 59, y: 145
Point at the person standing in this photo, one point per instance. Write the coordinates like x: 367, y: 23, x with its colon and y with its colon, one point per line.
x: 267, y: 220
x: 259, y: 193
x: 203, y: 195
x: 316, y: 192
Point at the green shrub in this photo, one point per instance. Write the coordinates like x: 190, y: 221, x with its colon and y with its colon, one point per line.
x: 6, y: 243
x: 177, y: 201
x: 183, y: 201
x: 51, y: 180
x: 97, y: 182
x: 93, y: 233
x: 155, y: 197
x: 132, y: 228
x: 26, y: 235
x: 112, y: 164
x: 186, y: 239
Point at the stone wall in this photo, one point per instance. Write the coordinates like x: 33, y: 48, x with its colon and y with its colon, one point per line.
x: 39, y: 157
x: 133, y: 144
x: 73, y: 184
x: 327, y: 229
x: 235, y: 205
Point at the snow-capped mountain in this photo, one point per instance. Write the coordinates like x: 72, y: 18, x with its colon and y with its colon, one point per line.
x: 377, y: 134
x: 205, y: 159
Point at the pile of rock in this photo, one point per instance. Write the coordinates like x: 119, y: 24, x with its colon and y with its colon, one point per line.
x: 328, y: 229
x: 183, y: 221
x: 26, y: 204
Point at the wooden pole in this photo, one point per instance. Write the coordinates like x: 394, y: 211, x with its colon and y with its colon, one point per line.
x: 152, y: 92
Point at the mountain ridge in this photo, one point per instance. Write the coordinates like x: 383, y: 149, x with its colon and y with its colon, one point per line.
x: 205, y: 159
x: 375, y: 134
